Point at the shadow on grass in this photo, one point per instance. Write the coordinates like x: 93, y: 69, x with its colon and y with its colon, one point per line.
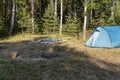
x: 70, y: 65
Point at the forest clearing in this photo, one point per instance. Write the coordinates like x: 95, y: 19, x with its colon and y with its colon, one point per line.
x: 70, y: 60
x: 45, y: 39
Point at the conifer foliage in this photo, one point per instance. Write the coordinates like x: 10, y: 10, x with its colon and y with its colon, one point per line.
x: 23, y: 17
x: 50, y: 21
x: 72, y: 25
x: 57, y: 16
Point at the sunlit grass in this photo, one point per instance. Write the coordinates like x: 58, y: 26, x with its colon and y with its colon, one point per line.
x: 26, y: 36
x: 78, y: 62
x: 100, y: 53
x: 20, y: 37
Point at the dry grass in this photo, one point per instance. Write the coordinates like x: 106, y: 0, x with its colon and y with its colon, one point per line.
x: 19, y: 38
x: 74, y: 61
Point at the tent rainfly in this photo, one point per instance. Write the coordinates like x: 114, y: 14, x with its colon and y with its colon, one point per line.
x: 108, y: 36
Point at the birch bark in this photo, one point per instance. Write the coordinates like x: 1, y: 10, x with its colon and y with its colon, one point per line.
x: 61, y: 17
x: 12, y: 18
x: 32, y: 12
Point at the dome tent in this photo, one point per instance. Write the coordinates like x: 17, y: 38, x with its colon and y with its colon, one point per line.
x: 108, y: 36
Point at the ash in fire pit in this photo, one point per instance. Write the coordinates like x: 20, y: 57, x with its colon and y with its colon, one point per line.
x: 50, y: 55
x: 48, y: 41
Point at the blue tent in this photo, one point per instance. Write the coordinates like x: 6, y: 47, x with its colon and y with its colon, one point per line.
x: 108, y: 36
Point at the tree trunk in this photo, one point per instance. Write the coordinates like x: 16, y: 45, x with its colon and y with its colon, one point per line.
x: 40, y: 3
x: 61, y: 17
x: 55, y: 16
x: 91, y: 14
x: 12, y: 18
x: 112, y: 11
x: 85, y: 23
x: 32, y: 12
x: 56, y: 7
x: 4, y: 13
x: 85, y: 4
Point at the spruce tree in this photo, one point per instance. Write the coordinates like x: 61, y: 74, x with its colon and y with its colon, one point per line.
x: 1, y: 27
x: 24, y: 20
x: 117, y: 12
x: 0, y: 17
x: 24, y: 17
x: 50, y: 21
x: 72, y: 25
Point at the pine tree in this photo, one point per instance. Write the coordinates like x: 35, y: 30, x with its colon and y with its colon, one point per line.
x: 50, y: 21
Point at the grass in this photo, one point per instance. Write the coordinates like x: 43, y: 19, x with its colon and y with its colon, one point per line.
x: 77, y: 62
x: 19, y: 38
